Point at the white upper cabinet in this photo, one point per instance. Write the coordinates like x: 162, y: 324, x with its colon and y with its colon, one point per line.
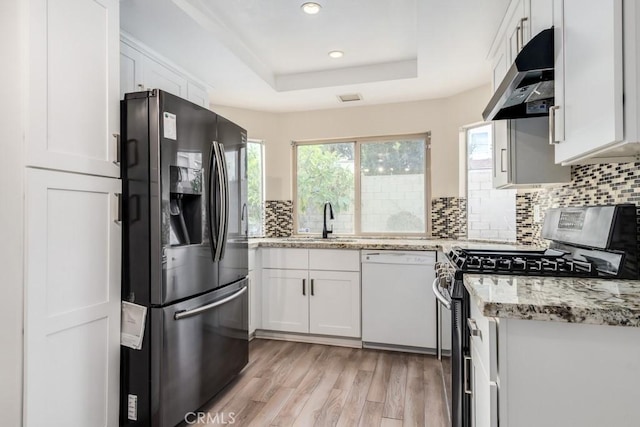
x: 596, y: 80
x: 197, y: 95
x: 157, y: 76
x: 143, y: 69
x: 522, y: 156
x: 73, y: 110
x: 522, y: 21
x: 130, y: 70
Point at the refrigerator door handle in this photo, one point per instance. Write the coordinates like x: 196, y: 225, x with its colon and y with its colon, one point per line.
x: 213, y: 232
x: 224, y: 229
x: 188, y: 313
x: 216, y: 233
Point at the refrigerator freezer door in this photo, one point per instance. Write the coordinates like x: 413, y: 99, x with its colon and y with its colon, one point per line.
x: 204, y: 346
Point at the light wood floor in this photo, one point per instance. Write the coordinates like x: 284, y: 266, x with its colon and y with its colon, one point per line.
x: 299, y: 384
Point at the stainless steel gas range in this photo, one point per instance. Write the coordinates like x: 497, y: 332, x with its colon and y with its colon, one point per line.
x: 592, y: 241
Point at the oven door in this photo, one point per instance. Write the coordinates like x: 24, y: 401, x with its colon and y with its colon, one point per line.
x: 460, y: 356
x: 202, y: 344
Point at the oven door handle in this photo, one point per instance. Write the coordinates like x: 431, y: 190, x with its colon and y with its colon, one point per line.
x: 182, y: 314
x: 439, y: 296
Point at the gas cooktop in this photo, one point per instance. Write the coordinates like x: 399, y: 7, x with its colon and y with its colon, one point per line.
x: 589, y: 241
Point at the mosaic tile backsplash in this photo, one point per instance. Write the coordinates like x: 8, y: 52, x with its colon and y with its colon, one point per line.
x: 278, y: 218
x: 449, y: 217
x: 603, y: 184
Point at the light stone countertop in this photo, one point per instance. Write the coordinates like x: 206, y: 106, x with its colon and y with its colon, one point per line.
x: 575, y: 300
x: 411, y: 244
x: 593, y: 301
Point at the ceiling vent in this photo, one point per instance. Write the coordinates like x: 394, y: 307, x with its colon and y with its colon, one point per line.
x: 350, y: 97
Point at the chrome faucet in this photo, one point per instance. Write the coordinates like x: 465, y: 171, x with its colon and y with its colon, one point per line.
x: 325, y: 232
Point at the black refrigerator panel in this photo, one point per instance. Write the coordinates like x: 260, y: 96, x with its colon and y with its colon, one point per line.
x: 204, y: 346
x: 168, y: 188
x: 234, y: 264
x: 191, y: 350
x: 187, y: 133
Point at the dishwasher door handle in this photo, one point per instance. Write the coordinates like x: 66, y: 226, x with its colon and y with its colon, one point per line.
x: 439, y: 295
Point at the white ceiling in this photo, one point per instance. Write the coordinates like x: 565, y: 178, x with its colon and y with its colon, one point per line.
x: 269, y: 55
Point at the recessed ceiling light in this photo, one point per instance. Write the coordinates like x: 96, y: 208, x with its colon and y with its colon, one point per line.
x: 311, y: 8
x: 336, y: 54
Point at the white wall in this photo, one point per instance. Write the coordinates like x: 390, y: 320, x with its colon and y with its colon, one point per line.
x: 443, y: 117
x: 11, y: 212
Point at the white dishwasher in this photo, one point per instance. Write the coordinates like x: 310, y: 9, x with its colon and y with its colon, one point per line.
x: 398, y: 306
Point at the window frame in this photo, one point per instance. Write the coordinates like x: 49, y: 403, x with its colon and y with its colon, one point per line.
x: 261, y: 143
x: 357, y: 141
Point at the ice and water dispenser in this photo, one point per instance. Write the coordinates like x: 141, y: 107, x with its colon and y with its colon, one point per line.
x: 186, y: 209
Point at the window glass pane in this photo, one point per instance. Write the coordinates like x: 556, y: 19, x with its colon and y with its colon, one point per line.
x: 491, y: 213
x: 255, y: 188
x: 325, y: 173
x: 393, y: 186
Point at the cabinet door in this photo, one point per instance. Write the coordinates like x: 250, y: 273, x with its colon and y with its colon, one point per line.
x: 252, y: 301
x: 499, y: 66
x: 197, y: 95
x: 72, y: 315
x: 588, y: 114
x: 285, y: 304
x: 501, y: 163
x: 130, y: 70
x: 484, y: 405
x: 73, y: 108
x: 157, y: 76
x: 515, y: 35
x: 334, y: 303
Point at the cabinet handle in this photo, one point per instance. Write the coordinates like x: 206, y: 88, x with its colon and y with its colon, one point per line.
x: 304, y: 285
x: 118, y: 209
x: 520, y: 39
x: 466, y: 369
x: 474, y: 331
x: 552, y: 124
x: 503, y: 151
x: 118, y: 149
x: 312, y: 294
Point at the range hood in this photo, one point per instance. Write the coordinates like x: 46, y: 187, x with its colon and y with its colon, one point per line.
x: 527, y: 89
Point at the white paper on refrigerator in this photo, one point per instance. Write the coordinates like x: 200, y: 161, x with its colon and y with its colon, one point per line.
x: 132, y: 326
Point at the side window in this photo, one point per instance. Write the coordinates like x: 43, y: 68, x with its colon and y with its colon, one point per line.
x: 255, y: 187
x: 491, y: 214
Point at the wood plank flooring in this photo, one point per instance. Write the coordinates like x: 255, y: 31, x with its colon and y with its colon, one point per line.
x: 299, y: 384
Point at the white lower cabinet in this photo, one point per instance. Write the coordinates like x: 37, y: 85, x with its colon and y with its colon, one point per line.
x: 296, y: 299
x: 285, y: 305
x: 334, y: 303
x: 72, y: 300
x: 484, y: 408
x: 525, y: 373
x: 255, y: 302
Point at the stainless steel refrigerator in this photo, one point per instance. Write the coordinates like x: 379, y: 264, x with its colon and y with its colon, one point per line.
x: 185, y: 255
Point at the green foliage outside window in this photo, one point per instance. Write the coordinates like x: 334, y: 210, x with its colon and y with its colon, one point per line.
x: 325, y: 173
x: 254, y: 188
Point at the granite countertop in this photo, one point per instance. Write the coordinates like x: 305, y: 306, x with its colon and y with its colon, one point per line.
x: 411, y: 244
x: 592, y: 301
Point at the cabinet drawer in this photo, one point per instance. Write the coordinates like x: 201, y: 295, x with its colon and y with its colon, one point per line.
x: 285, y: 258
x: 334, y: 260
x: 483, y: 336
